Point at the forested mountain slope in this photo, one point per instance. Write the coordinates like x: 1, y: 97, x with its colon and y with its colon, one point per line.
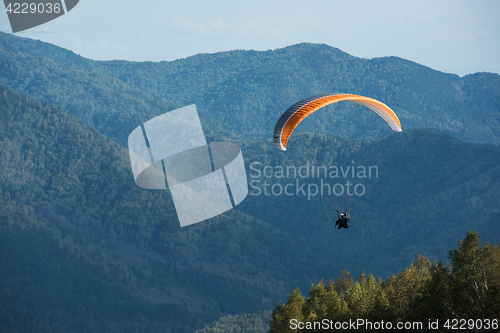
x: 425, y: 190
x: 84, y: 247
x: 246, y: 91
x: 111, y: 105
x: 81, y: 243
x: 68, y: 201
x: 425, y: 297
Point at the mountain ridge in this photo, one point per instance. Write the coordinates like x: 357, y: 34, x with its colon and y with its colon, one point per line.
x: 235, y: 88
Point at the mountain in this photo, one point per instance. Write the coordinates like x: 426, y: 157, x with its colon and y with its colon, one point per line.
x: 76, y: 229
x: 104, y: 102
x: 243, y: 93
x: 83, y: 248
x: 425, y: 190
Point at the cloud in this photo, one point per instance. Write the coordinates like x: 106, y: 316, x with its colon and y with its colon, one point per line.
x: 102, y: 46
x: 218, y: 27
x: 208, y: 28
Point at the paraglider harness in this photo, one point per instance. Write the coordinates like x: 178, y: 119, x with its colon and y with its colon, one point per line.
x: 343, y: 221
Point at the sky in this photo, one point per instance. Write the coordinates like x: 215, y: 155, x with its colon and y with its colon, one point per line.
x: 453, y: 36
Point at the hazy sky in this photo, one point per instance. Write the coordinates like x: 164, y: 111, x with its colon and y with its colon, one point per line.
x: 455, y: 36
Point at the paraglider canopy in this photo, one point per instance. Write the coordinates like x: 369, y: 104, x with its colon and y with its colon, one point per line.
x: 302, y: 109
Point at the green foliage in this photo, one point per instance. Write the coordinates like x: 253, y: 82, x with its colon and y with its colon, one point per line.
x: 468, y: 289
x: 406, y: 286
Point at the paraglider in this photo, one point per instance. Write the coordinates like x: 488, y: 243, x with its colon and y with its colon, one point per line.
x: 292, y: 117
x: 343, y: 221
x: 300, y: 110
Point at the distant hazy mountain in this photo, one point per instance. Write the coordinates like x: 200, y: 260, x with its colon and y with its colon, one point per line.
x: 246, y: 91
x: 58, y: 76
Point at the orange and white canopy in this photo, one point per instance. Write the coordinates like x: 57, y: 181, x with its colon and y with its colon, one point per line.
x: 300, y: 110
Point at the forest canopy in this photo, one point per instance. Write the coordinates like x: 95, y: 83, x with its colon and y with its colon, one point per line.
x: 426, y: 296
